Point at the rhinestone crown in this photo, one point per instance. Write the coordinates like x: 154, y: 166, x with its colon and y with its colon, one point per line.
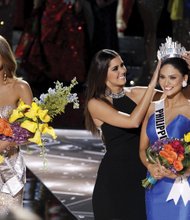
x: 170, y: 49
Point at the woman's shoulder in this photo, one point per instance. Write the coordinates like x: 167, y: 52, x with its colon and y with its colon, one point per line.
x: 186, y: 106
x: 135, y: 89
x: 136, y: 93
x: 19, y: 83
x: 157, y: 95
x: 94, y: 102
x: 186, y: 92
x: 140, y: 90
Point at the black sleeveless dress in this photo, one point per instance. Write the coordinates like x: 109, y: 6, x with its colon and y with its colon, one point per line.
x: 118, y: 194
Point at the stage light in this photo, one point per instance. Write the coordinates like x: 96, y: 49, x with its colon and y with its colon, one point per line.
x: 132, y: 83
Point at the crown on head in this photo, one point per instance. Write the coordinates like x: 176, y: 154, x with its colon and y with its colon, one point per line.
x: 170, y: 49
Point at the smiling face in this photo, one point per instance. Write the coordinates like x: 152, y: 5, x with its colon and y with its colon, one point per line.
x: 116, y: 76
x: 170, y: 80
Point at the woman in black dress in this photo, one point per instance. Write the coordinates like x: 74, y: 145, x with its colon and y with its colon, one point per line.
x: 116, y: 112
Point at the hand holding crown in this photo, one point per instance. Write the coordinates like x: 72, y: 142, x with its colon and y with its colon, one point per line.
x: 186, y: 57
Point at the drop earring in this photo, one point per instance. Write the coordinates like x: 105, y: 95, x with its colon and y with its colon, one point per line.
x: 184, y: 83
x: 5, y: 78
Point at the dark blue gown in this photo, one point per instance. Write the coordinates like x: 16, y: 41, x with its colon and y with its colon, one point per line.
x: 157, y: 207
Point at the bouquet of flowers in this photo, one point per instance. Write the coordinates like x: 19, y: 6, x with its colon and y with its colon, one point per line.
x: 28, y: 123
x: 172, y: 153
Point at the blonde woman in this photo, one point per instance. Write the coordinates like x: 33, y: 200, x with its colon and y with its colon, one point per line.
x: 12, y: 89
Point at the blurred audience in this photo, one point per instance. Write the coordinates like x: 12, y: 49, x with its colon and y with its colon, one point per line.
x: 105, y: 29
x: 124, y: 11
x: 180, y: 17
x: 150, y: 11
x: 53, y: 42
x: 6, y: 19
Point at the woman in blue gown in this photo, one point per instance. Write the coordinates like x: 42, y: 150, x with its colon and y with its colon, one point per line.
x: 176, y: 121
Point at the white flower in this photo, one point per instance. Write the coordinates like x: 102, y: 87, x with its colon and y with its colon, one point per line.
x: 51, y: 91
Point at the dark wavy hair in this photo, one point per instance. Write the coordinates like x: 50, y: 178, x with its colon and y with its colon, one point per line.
x: 96, y: 82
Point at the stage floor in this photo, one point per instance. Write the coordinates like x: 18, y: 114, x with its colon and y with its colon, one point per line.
x: 70, y: 170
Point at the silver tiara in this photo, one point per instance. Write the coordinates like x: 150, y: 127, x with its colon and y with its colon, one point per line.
x: 170, y: 49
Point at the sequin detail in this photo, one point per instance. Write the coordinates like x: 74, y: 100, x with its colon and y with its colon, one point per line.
x: 16, y: 163
x: 7, y: 201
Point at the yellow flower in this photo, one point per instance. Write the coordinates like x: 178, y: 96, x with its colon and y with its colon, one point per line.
x: 22, y: 106
x: 15, y: 115
x: 43, y: 115
x: 29, y: 125
x: 1, y: 159
x: 18, y: 112
x: 37, y: 138
x: 187, y: 137
x: 33, y: 112
x: 45, y: 129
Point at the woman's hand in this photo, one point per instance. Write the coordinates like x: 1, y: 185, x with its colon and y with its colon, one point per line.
x: 6, y: 145
x: 186, y: 57
x: 158, y: 171
x: 155, y: 171
x: 187, y: 172
x: 168, y: 173
x: 154, y: 79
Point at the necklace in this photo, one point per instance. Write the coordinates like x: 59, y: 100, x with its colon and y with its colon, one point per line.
x: 118, y: 95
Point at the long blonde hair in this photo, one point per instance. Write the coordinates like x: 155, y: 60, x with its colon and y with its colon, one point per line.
x: 8, y: 59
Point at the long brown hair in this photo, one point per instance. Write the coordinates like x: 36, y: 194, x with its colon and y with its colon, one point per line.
x: 96, y: 83
x: 8, y: 58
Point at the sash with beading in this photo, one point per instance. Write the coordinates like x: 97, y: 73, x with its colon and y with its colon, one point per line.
x: 12, y: 175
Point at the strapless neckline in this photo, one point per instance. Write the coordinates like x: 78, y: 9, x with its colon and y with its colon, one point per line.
x: 177, y: 127
x: 7, y: 106
x: 174, y: 119
x: 6, y: 110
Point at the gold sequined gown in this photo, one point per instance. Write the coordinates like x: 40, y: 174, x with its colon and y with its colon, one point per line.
x: 13, y: 173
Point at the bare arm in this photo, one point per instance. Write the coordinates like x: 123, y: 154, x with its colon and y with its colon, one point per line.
x: 137, y: 93
x: 144, y: 141
x: 24, y: 92
x: 154, y: 169
x: 105, y: 113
